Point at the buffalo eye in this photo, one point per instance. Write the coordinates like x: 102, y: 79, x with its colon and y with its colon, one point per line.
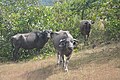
x: 62, y: 43
x: 71, y: 41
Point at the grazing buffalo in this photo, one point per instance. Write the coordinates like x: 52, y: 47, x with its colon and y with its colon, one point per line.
x: 64, y: 44
x: 85, y: 27
x: 29, y: 41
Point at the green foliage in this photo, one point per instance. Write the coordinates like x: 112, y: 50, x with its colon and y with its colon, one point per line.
x: 27, y: 15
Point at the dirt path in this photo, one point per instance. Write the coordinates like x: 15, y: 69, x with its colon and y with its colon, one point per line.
x: 101, y: 63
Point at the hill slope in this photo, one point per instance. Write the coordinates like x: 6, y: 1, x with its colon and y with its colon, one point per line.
x: 101, y: 63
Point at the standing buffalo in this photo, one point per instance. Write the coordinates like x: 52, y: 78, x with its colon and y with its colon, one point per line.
x: 64, y: 44
x: 29, y: 41
x: 85, y: 27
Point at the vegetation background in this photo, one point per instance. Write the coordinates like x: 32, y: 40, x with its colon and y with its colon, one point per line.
x: 21, y: 16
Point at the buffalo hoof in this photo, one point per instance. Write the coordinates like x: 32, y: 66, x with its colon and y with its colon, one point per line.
x: 66, y: 70
x: 15, y: 61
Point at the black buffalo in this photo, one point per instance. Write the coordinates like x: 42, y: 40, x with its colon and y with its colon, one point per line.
x: 29, y: 41
x: 85, y: 28
x: 64, y: 44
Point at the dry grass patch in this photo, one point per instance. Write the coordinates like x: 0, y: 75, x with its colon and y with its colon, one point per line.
x: 101, y: 63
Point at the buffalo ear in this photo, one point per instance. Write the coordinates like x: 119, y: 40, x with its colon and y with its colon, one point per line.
x: 50, y: 30
x: 52, y: 34
x: 38, y: 34
x: 75, y: 43
x: 92, y: 22
x: 62, y: 43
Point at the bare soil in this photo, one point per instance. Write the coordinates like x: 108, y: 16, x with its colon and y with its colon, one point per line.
x: 100, y: 63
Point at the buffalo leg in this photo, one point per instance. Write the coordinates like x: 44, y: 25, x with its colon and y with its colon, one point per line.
x: 37, y: 52
x: 15, y: 54
x: 87, y: 36
x: 66, y: 63
x: 58, y: 58
x: 86, y: 39
x: 63, y: 62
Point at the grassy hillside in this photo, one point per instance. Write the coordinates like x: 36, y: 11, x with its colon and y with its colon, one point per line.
x: 101, y: 63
